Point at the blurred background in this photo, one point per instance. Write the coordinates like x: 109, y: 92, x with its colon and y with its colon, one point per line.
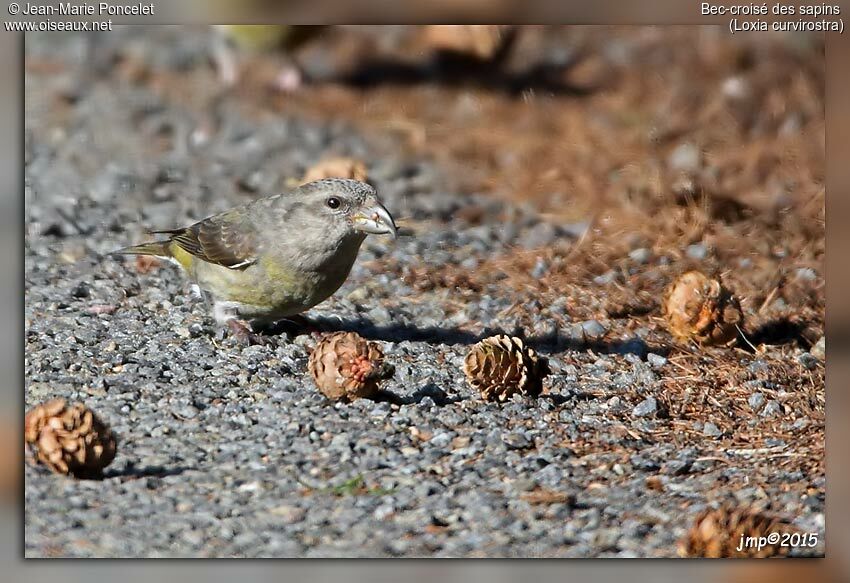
x: 607, y: 157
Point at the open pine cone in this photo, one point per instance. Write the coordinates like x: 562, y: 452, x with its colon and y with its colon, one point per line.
x: 336, y: 168
x: 717, y: 534
x: 345, y: 366
x: 502, y: 365
x: 700, y: 308
x: 69, y: 439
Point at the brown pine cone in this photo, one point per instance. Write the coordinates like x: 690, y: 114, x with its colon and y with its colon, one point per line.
x: 502, y: 365
x: 480, y: 41
x: 700, y: 308
x: 718, y: 534
x: 345, y: 366
x: 336, y: 168
x: 69, y: 439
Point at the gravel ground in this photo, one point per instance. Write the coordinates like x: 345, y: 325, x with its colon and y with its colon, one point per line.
x: 228, y: 450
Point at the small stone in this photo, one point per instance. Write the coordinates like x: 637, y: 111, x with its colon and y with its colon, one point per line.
x: 593, y: 329
x: 646, y: 407
x: 756, y: 401
x: 808, y: 360
x: 383, y: 512
x: 711, y: 430
x: 697, y: 251
x: 426, y: 402
x: 540, y: 268
x: 640, y: 255
x: 772, y: 409
x: 440, y: 440
x: 645, y: 464
x: 471, y: 263
x: 289, y: 514
x: 605, y: 278
x: 655, y: 360
x: 185, y: 411
x: 82, y: 290
x: 800, y: 423
x: 806, y: 274
x: 518, y: 441
x: 677, y: 467
x: 684, y: 158
x: 540, y: 235
x: 736, y: 88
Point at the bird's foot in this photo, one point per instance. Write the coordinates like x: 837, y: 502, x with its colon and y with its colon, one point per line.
x: 225, y: 61
x: 243, y: 334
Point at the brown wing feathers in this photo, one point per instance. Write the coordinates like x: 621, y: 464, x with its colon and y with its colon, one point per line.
x: 227, y: 239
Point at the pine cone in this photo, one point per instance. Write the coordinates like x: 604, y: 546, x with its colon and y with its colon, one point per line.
x: 701, y: 309
x: 346, y: 367
x: 336, y: 168
x: 480, y: 41
x: 501, y: 365
x: 69, y: 439
x: 718, y: 534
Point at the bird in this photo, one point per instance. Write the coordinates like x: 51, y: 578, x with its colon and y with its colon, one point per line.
x: 278, y: 256
x: 260, y: 38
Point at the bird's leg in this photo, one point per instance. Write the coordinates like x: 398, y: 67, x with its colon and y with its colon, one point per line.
x: 226, y: 63
x: 226, y: 313
x: 242, y: 332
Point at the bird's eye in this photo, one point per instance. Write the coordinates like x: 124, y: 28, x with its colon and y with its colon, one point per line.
x: 333, y: 202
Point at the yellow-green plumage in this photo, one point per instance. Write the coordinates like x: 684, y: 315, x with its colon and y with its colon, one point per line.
x: 265, y: 37
x: 278, y: 256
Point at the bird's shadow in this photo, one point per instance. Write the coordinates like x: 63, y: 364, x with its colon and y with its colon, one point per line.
x: 440, y: 397
x: 458, y: 71
x: 780, y: 331
x: 131, y: 472
x: 555, y: 342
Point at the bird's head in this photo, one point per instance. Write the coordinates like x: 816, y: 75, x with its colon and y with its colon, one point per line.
x: 344, y: 207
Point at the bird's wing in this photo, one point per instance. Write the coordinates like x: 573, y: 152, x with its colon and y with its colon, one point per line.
x: 229, y: 239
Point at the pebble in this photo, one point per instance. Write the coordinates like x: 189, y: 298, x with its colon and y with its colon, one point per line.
x: 806, y: 274
x: 656, y: 360
x: 697, y: 251
x: 605, y: 278
x: 81, y: 290
x: 518, y: 441
x: 540, y: 268
x: 677, y: 467
x: 593, y: 329
x: 756, y: 401
x: 288, y: 514
x: 684, y: 158
x: 808, y: 360
x: 711, y: 430
x: 540, y: 235
x: 771, y: 409
x: 645, y: 408
x: 640, y: 255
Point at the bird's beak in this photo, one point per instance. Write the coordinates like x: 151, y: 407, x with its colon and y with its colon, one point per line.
x: 375, y: 220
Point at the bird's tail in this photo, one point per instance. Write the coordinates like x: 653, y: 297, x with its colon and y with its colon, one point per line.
x: 158, y: 248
